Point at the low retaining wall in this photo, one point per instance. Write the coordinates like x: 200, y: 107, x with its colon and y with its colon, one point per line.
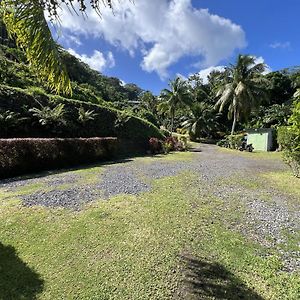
x: 28, y: 155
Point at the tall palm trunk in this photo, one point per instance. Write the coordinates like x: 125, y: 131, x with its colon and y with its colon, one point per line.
x: 172, y: 120
x: 234, y: 122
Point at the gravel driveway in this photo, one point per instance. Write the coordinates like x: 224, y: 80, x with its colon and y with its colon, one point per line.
x: 268, y: 222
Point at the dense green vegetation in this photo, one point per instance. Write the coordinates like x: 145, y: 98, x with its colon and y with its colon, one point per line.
x: 240, y: 97
x: 26, y: 21
x: 30, y: 113
x: 264, y: 100
x: 100, y: 105
x: 289, y: 139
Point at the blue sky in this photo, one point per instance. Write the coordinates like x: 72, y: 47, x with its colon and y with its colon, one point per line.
x: 152, y: 41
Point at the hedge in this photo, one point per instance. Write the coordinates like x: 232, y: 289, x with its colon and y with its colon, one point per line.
x: 107, y: 121
x: 289, y: 139
x: 21, y: 156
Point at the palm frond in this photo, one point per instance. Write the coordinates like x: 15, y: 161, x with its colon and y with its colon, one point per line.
x: 25, y: 20
x: 257, y: 68
x: 225, y: 97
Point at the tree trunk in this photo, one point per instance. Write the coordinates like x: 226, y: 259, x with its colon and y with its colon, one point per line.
x: 234, y: 123
x: 172, y: 121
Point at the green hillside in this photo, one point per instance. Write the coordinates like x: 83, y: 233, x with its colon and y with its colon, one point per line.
x: 28, y: 108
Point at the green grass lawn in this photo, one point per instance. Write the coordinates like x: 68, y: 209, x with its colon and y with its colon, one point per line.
x: 172, y: 242
x: 255, y: 154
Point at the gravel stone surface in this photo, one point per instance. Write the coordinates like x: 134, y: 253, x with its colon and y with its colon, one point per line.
x: 120, y: 180
x: 69, y: 198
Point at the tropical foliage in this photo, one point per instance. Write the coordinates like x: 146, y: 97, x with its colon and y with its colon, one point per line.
x: 243, y: 89
x: 289, y: 139
x: 85, y: 115
x: 25, y: 20
x: 270, y: 117
x: 175, y: 97
x: 202, y: 120
x: 47, y: 115
x: 195, y: 106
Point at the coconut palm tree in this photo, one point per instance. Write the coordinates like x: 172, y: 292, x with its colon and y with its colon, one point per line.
x: 173, y: 98
x: 243, y: 89
x: 26, y: 22
x: 202, y: 120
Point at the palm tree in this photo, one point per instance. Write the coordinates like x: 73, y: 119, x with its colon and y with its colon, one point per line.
x: 202, y: 120
x: 243, y: 89
x: 175, y: 97
x: 25, y: 21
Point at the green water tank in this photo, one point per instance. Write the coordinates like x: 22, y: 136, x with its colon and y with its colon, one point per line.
x: 261, y: 139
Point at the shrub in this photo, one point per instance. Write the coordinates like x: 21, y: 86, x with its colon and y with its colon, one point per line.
x: 231, y: 141
x: 167, y: 146
x: 155, y: 145
x: 173, y: 144
x: 289, y: 143
x: 47, y: 115
x: 85, y: 115
x: 19, y: 156
x: 289, y: 140
x: 184, y: 141
x: 172, y: 141
x: 9, y: 120
x: 223, y: 143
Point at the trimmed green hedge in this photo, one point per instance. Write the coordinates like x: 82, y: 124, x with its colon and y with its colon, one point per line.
x: 21, y: 156
x: 106, y: 121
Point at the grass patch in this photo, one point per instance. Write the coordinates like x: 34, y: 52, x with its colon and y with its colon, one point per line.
x: 171, y: 157
x: 191, y: 145
x: 255, y: 154
x: 284, y: 181
x: 131, y: 247
x: 29, y: 188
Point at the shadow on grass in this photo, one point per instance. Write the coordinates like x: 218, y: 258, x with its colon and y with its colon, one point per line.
x: 210, y: 280
x: 44, y: 173
x: 17, y: 280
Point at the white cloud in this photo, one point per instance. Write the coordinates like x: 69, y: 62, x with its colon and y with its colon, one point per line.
x: 123, y: 83
x: 261, y: 60
x: 71, y: 40
x: 283, y: 45
x: 97, y: 61
x: 203, y: 74
x: 163, y: 31
x: 74, y: 39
